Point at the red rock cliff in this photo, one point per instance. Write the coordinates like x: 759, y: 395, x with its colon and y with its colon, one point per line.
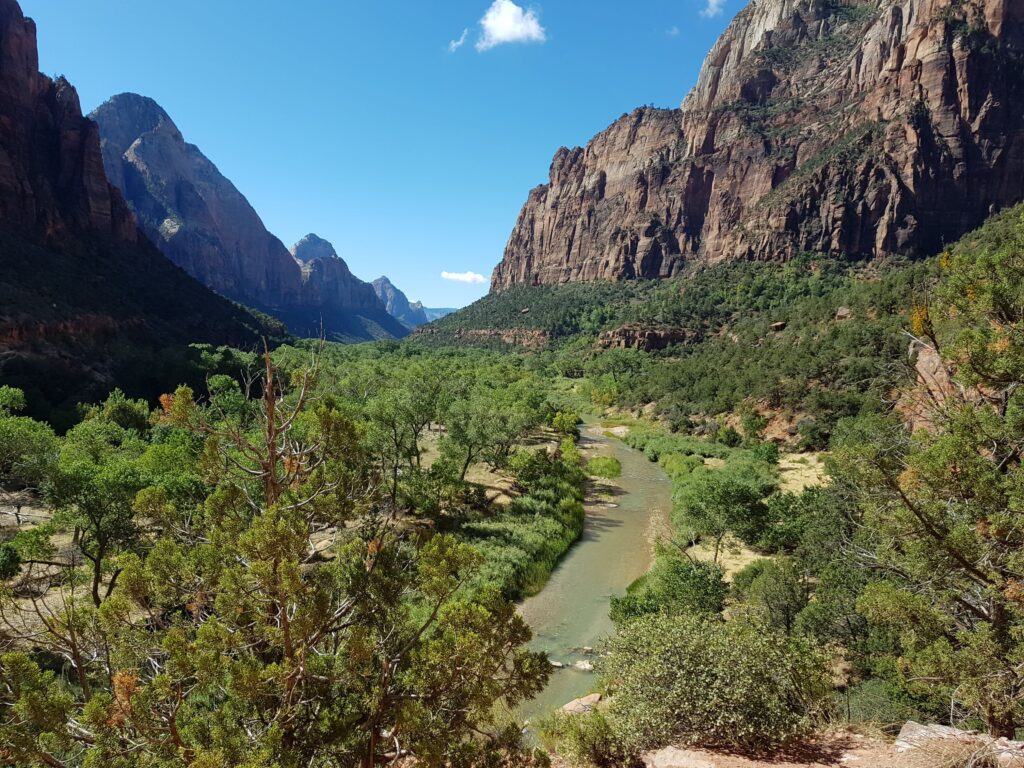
x: 52, y: 181
x: 851, y: 129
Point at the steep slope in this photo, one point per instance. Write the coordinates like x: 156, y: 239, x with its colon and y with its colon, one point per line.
x: 83, y: 294
x: 397, y: 303
x: 853, y: 129
x: 332, y: 297
x: 203, y: 223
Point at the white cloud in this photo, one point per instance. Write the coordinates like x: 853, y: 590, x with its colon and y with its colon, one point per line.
x: 506, y: 22
x: 673, y: 31
x: 713, y: 8
x: 454, y: 45
x: 463, y: 277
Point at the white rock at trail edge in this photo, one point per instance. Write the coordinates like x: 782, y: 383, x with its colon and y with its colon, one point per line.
x: 673, y: 757
x: 584, y: 666
x: 582, y: 705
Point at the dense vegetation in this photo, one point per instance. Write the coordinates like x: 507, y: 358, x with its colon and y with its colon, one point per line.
x: 904, y: 570
x: 78, y: 319
x: 310, y: 557
x: 292, y: 568
x: 811, y: 338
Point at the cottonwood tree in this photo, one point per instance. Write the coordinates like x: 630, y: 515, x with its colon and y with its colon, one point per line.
x: 28, y: 450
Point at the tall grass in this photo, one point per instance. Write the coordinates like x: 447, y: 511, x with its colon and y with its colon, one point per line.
x: 522, y: 544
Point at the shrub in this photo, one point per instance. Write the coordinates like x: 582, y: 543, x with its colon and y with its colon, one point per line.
x: 694, y: 680
x: 585, y: 739
x: 565, y: 423
x: 674, y: 585
x: 604, y: 466
x: 10, y: 561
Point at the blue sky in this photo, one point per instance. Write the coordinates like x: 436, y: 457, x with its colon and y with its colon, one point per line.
x: 365, y: 123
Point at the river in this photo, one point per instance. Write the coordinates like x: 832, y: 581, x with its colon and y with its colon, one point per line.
x: 571, y: 612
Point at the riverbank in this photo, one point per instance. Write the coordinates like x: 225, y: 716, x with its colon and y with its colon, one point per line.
x: 571, y: 613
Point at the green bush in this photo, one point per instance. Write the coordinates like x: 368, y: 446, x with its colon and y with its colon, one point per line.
x: 585, y: 739
x: 565, y: 423
x: 674, y: 584
x: 604, y: 466
x: 694, y: 680
x: 10, y: 561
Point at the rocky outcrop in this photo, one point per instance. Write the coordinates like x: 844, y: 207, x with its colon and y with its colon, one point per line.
x: 513, y: 337
x: 644, y: 338
x: 853, y: 129
x: 52, y: 182
x: 327, y: 280
x: 206, y: 226
x: 398, y: 305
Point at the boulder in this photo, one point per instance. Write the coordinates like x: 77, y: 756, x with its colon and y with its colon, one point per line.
x: 915, y: 736
x: 582, y: 705
x: 673, y: 757
x: 584, y: 666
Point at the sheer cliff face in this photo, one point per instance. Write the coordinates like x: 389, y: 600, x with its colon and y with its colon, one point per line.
x: 203, y: 224
x: 326, y: 279
x: 189, y: 209
x: 855, y: 130
x: 52, y: 182
x: 397, y: 304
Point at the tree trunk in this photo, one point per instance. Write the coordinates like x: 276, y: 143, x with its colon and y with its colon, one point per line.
x: 97, y: 579
x: 1001, y: 725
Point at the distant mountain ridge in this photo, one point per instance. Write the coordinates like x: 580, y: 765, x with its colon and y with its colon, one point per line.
x: 200, y: 221
x: 85, y: 298
x: 853, y: 128
x: 410, y: 314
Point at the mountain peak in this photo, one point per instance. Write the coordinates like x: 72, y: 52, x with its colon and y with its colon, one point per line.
x: 313, y: 247
x: 127, y: 116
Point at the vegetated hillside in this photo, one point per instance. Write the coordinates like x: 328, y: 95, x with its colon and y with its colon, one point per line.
x: 76, y: 322
x: 85, y: 299
x: 857, y: 129
x: 812, y: 339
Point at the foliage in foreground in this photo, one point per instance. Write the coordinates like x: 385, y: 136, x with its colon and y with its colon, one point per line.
x: 688, y: 679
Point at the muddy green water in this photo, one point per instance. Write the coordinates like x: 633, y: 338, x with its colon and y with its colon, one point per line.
x: 571, y: 612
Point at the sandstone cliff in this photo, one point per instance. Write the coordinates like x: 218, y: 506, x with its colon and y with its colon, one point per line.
x: 51, y: 174
x: 85, y: 298
x: 854, y: 129
x: 397, y: 304
x: 203, y: 223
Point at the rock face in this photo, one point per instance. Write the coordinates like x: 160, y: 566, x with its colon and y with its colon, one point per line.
x: 189, y: 209
x: 52, y: 182
x: 326, y: 279
x: 854, y: 129
x: 398, y: 305
x: 85, y: 298
x: 206, y: 226
x: 637, y: 337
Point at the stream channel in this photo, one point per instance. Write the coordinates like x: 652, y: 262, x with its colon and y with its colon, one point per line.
x: 616, y: 548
